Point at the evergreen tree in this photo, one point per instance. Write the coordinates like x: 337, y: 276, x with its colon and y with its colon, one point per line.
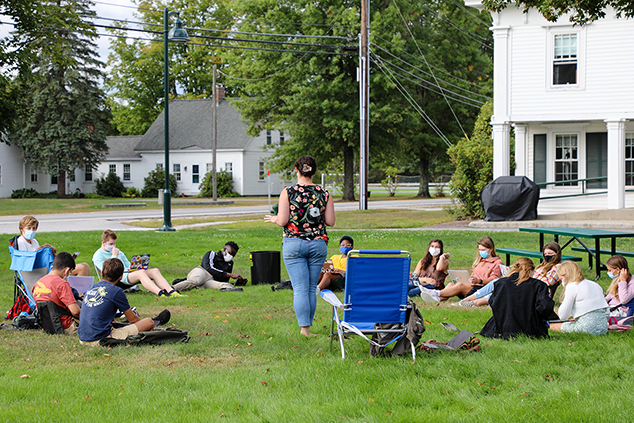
x: 63, y: 113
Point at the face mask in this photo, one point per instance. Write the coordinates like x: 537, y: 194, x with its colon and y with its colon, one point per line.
x: 434, y: 251
x: 345, y: 250
x: 228, y: 257
x: 108, y: 248
x: 548, y: 258
x: 611, y: 276
x: 29, y: 234
x: 484, y: 254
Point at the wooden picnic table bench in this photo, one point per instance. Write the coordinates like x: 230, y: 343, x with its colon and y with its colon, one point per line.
x: 528, y: 253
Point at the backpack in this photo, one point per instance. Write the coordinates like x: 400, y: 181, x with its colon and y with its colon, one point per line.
x: 154, y: 337
x: 49, y: 317
x: 415, y: 330
x: 26, y: 322
x: 282, y: 285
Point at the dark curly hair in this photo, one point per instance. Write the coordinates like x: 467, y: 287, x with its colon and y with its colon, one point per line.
x: 306, y: 165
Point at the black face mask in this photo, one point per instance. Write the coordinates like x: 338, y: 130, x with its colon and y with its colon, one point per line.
x: 548, y: 259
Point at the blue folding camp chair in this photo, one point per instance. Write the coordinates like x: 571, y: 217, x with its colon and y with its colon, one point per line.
x: 376, y: 292
x: 28, y: 267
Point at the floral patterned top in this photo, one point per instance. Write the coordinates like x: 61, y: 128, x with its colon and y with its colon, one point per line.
x: 307, y: 205
x: 551, y: 278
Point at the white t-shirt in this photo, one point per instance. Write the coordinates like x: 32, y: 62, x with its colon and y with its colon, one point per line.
x: 24, y: 245
x: 581, y: 298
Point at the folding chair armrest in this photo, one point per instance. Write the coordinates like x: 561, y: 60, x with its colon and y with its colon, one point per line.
x: 331, y: 298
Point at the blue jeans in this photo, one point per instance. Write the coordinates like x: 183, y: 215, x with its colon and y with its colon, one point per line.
x: 486, y: 290
x: 414, y: 290
x: 304, y: 260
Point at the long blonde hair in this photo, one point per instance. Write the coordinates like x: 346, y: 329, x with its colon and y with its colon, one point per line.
x: 524, y: 267
x: 618, y: 262
x: 571, y: 272
x: 486, y: 242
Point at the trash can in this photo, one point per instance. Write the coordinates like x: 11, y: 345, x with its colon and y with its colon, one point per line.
x: 265, y: 267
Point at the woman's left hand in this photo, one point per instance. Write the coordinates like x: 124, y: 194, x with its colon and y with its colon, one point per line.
x: 270, y: 219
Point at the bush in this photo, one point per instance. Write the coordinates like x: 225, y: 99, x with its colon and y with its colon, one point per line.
x: 110, y: 186
x: 224, y: 185
x: 154, y: 181
x: 25, y: 193
x: 77, y: 194
x: 473, y: 159
x: 94, y: 196
x: 132, y: 193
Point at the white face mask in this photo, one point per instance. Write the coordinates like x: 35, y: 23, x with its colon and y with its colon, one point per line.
x: 29, y: 234
x: 434, y: 251
x: 108, y: 248
x: 228, y: 257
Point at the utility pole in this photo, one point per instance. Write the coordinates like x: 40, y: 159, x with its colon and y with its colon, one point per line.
x: 364, y: 109
x: 214, y: 136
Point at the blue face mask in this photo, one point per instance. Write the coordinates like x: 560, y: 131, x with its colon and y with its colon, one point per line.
x: 345, y: 250
x: 484, y: 254
x: 29, y: 235
x: 611, y: 276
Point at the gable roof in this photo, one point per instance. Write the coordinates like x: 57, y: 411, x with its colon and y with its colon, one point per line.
x: 122, y: 147
x: 191, y: 127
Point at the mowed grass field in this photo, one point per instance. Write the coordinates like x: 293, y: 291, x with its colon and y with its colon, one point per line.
x: 246, y: 360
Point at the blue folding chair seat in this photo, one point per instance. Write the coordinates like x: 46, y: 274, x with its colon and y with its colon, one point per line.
x: 375, y: 292
x: 29, y: 267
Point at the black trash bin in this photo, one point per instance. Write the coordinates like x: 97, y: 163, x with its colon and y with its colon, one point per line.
x: 265, y: 267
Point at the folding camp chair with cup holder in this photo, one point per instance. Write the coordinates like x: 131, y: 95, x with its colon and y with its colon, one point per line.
x: 28, y: 268
x: 376, y: 292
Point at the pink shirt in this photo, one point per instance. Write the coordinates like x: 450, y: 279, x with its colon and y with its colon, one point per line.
x: 488, y: 269
x: 626, y: 293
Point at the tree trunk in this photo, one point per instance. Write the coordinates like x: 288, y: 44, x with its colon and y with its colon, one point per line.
x: 61, y: 184
x: 348, y: 173
x: 423, y: 168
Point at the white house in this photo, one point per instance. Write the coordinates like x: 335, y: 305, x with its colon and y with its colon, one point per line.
x: 568, y: 92
x: 133, y: 157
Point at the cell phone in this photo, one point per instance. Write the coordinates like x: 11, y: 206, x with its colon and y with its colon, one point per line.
x: 75, y: 254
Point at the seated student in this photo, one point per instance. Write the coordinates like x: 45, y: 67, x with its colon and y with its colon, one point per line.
x: 486, y: 268
x: 621, y: 289
x: 26, y: 242
x: 335, y: 279
x: 53, y: 287
x: 101, y: 303
x: 583, y: 300
x: 151, y: 279
x: 431, y: 270
x: 214, y: 271
x: 520, y: 303
x: 545, y: 272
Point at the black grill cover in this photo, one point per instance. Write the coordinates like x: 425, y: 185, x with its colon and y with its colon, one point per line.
x: 510, y: 198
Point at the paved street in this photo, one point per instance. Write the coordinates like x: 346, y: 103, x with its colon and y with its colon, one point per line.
x: 99, y: 221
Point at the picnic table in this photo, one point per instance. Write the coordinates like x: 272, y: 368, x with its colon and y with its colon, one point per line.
x: 576, y: 233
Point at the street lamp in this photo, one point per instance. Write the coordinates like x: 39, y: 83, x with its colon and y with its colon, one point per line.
x: 177, y: 34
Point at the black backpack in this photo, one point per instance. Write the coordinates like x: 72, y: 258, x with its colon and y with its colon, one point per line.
x: 157, y: 336
x: 49, y: 316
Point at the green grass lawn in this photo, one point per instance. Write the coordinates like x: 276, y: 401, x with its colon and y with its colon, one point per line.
x: 247, y: 362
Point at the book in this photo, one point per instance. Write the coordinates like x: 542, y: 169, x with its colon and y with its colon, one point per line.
x: 139, y: 262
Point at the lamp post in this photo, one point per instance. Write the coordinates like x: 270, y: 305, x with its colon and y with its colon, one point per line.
x: 177, y: 34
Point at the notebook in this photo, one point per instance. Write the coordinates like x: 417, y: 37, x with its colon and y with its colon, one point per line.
x: 81, y: 283
x: 139, y: 262
x: 459, y: 275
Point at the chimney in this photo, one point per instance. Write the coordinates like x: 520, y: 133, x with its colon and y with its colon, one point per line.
x: 220, y: 93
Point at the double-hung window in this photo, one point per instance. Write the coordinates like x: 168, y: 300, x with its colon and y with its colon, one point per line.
x: 629, y: 159
x: 195, y: 174
x: 177, y: 171
x: 565, y: 59
x: 126, y: 172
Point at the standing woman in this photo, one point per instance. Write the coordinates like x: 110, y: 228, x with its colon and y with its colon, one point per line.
x: 305, y: 210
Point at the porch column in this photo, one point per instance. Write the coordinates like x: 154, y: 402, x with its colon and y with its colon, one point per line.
x: 501, y: 149
x: 501, y: 95
x: 616, y: 163
x: 521, y: 164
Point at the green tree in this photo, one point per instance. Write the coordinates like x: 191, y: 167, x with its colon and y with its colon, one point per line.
x: 582, y: 11
x: 154, y: 181
x: 224, y: 186
x: 110, y: 185
x: 63, y: 115
x: 473, y: 159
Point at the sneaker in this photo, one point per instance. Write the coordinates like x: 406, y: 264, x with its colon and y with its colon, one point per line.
x: 317, y: 291
x: 232, y: 289
x: 163, y: 293
x: 430, y: 295
x: 175, y: 294
x: 133, y: 288
x: 466, y: 303
x: 163, y: 317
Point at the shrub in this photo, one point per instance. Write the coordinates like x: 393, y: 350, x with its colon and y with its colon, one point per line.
x: 154, y: 181
x: 77, y: 194
x: 110, y: 186
x: 473, y: 159
x: 25, y: 193
x: 94, y: 196
x: 132, y: 193
x: 224, y: 185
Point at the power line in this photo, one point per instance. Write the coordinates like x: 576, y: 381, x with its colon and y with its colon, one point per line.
x: 464, y: 9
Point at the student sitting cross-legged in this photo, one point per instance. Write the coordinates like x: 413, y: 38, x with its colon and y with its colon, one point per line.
x: 53, y: 288
x: 101, y: 302
x: 151, y: 279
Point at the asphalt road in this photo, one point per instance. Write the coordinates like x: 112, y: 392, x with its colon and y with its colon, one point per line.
x: 111, y: 219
